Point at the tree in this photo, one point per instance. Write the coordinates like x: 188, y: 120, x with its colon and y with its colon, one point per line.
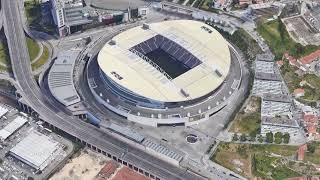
x: 253, y: 136
x: 278, y: 138
x: 235, y: 137
x: 269, y: 137
x: 254, y: 162
x: 260, y: 139
x: 243, y: 137
x: 311, y: 147
x: 30, y: 178
x: 286, y: 138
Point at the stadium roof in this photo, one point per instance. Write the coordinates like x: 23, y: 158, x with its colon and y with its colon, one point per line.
x: 36, y: 150
x: 60, y: 78
x: 138, y: 76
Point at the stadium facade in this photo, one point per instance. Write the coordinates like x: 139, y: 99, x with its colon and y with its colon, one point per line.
x: 167, y: 73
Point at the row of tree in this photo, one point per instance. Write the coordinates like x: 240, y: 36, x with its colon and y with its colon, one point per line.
x: 277, y: 138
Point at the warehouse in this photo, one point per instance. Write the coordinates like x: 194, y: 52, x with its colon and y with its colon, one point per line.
x: 12, y: 127
x: 37, y: 150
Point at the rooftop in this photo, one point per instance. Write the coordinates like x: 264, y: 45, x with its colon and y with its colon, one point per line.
x: 137, y: 75
x: 310, y: 118
x: 265, y: 57
x: 267, y: 76
x: 3, y: 111
x: 117, y: 5
x: 35, y: 150
x: 310, y: 58
x: 12, y: 127
x: 277, y: 98
x: 127, y: 132
x: 279, y: 121
x: 60, y: 78
x: 298, y: 91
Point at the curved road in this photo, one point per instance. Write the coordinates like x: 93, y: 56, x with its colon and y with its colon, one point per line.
x: 51, y: 113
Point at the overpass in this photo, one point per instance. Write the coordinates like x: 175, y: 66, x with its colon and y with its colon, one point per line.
x: 83, y: 132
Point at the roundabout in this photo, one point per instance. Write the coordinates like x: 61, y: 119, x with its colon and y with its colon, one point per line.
x: 191, y: 138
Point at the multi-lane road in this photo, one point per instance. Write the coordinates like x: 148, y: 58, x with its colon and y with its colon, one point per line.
x: 51, y: 113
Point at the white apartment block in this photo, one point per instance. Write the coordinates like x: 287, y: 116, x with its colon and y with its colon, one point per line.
x: 273, y: 108
x: 261, y: 87
x: 57, y: 12
x: 265, y: 128
x: 264, y: 66
x: 279, y: 124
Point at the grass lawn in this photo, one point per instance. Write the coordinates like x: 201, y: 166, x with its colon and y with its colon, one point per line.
x: 206, y: 6
x: 42, y: 60
x: 254, y: 161
x: 264, y: 166
x: 5, y: 69
x: 278, y: 39
x: 314, y: 157
x: 4, y: 54
x: 246, y: 123
x: 276, y: 149
x: 249, y: 121
x: 33, y: 48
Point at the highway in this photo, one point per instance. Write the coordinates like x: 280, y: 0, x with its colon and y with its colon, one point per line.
x: 52, y: 114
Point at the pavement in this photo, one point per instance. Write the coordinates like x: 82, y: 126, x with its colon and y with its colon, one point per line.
x: 53, y: 115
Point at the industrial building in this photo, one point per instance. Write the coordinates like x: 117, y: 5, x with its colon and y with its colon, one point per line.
x: 73, y: 15
x: 3, y: 111
x: 12, y: 127
x: 37, y: 150
x: 68, y: 15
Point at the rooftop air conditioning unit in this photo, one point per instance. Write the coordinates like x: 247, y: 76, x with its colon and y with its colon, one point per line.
x: 112, y: 42
x: 145, y: 26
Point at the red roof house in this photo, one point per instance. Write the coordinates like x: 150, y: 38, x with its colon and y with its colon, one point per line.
x: 300, y: 154
x: 307, y: 60
x: 298, y: 92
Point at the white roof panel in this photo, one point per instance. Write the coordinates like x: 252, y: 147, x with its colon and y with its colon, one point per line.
x: 3, y: 111
x: 138, y: 76
x: 12, y: 127
x: 36, y: 150
x: 60, y: 78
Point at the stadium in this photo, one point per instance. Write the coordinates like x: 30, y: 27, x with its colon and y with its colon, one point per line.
x: 167, y: 73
